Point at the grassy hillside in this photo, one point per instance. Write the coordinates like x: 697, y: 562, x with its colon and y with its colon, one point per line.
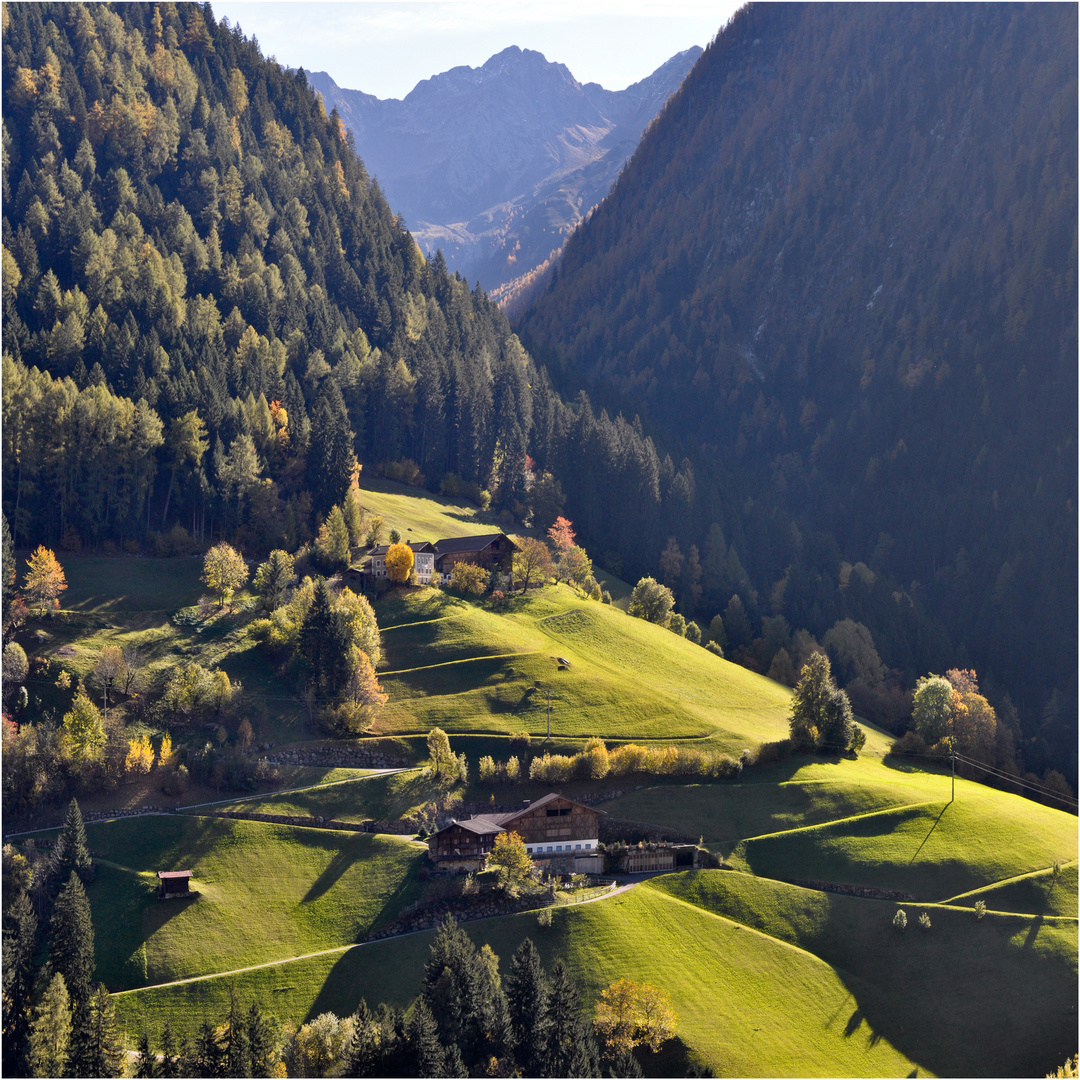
x: 933, y: 851
x: 962, y: 976
x: 264, y: 892
x: 470, y: 669
x: 419, y: 515
x: 725, y: 986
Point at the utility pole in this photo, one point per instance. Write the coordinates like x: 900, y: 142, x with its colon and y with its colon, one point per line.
x: 952, y: 758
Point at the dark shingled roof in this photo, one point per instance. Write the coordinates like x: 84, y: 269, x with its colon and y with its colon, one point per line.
x: 417, y: 546
x: 460, y: 545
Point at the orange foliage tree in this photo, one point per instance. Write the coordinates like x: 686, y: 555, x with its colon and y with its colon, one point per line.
x: 399, y: 562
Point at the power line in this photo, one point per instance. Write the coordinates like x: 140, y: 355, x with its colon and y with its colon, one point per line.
x: 1019, y: 780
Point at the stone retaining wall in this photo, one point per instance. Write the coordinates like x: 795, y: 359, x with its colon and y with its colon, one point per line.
x: 865, y: 891
x: 336, y: 757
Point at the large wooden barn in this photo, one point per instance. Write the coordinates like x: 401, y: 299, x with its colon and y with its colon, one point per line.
x: 556, y: 830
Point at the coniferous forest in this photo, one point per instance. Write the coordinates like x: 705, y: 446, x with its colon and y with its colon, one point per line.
x: 812, y: 364
x: 839, y: 275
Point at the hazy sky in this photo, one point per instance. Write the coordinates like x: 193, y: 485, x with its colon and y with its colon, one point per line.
x: 385, y: 49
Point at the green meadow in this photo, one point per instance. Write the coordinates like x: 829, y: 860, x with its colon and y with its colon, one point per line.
x: 263, y: 891
x: 470, y: 669
x: 768, y: 978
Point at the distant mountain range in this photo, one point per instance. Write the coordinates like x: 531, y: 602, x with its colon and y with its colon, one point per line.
x: 496, y: 165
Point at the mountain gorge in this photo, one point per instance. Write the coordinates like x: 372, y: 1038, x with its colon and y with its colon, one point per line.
x: 839, y: 276
x: 496, y: 165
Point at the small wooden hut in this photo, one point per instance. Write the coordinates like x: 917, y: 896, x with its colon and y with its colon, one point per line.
x: 173, y: 883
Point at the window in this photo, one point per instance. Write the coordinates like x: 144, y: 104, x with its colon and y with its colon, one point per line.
x: 558, y: 847
x: 577, y: 847
x: 549, y: 847
x: 588, y: 847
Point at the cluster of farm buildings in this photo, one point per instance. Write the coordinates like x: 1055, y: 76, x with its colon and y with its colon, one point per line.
x: 434, y: 562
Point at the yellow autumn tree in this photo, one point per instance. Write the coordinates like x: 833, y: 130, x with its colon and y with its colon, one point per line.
x: 399, y: 562
x: 140, y: 756
x: 630, y: 1014
x: 45, y: 579
x: 165, y: 753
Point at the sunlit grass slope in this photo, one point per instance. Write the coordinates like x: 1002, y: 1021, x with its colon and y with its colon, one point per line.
x: 419, y: 515
x: 469, y: 669
x: 969, y: 997
x: 932, y: 851
x: 265, y: 892
x: 1037, y: 893
x: 790, y: 794
x: 378, y: 797
x: 748, y: 1005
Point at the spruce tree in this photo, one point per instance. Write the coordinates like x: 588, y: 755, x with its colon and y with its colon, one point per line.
x: 71, y: 851
x: 20, y: 933
x: 571, y: 1048
x: 426, y: 1052
x: 71, y: 940
x: 96, y: 1049
x: 364, y: 1057
x: 144, y: 1064
x: 50, y: 1032
x: 527, y: 997
x: 260, y: 1042
x: 324, y: 641
x: 331, y: 459
x: 170, y: 1061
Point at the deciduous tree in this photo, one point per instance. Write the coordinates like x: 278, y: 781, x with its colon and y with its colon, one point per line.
x: 82, y: 732
x: 399, y: 563
x: 45, y: 580
x: 562, y: 534
x: 224, y: 571
x: 532, y: 562
x: 511, y: 861
x: 651, y: 601
x: 467, y: 577
x: 439, y: 751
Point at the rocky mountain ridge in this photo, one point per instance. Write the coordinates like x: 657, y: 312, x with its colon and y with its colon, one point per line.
x: 497, y: 164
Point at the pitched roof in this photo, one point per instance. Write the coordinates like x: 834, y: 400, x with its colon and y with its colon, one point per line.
x: 507, y: 818
x: 482, y: 826
x: 170, y: 874
x: 417, y: 546
x: 461, y: 545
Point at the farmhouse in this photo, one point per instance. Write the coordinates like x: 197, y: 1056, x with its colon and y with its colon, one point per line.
x: 494, y: 551
x: 423, y: 564
x: 555, y: 830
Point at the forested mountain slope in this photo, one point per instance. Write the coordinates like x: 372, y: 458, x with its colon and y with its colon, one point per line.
x: 209, y: 307
x: 839, y: 274
x: 495, y: 165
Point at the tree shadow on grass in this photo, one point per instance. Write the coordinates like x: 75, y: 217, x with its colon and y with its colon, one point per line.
x: 353, y: 847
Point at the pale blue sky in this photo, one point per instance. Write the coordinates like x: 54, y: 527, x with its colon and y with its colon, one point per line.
x: 385, y: 49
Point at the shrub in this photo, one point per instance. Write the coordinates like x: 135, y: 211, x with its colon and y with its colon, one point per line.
x: 513, y: 770
x: 900, y: 920
x: 544, y: 918
x: 693, y: 632
x: 980, y: 908
x: 769, y: 752
x: 605, y: 596
x: 487, y: 769
x: 469, y: 578
x: 715, y: 649
x: 924, y: 920
x: 677, y: 624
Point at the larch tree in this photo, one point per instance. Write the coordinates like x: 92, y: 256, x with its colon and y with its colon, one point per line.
x: 44, y: 581
x: 273, y: 578
x: 50, y: 1031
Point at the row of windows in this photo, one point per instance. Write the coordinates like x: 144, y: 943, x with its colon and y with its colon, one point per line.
x: 539, y: 848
